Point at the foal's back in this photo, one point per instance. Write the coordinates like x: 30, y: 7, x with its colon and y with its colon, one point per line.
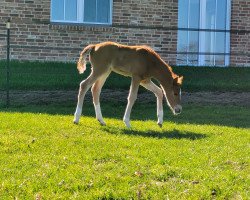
x: 125, y: 60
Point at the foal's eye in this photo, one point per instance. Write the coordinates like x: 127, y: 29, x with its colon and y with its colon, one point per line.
x: 175, y: 93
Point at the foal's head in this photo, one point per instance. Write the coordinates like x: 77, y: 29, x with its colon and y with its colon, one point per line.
x: 172, y: 91
x: 177, y: 82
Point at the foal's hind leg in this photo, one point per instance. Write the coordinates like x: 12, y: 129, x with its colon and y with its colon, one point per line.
x: 149, y: 85
x: 96, y: 90
x: 84, y: 87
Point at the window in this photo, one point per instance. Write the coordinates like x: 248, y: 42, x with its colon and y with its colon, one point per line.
x: 203, y: 36
x: 81, y: 11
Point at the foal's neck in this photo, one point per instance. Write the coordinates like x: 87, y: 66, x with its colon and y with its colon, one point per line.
x: 164, y: 74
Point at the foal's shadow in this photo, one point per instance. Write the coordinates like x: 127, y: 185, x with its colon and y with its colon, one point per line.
x: 173, y: 134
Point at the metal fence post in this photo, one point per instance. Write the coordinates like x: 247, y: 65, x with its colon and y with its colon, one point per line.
x: 8, y: 65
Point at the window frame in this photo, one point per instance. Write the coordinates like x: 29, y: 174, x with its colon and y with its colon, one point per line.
x: 80, y: 15
x: 202, y: 30
x: 201, y: 59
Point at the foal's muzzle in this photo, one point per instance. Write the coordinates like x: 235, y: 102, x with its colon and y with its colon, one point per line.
x: 177, y: 109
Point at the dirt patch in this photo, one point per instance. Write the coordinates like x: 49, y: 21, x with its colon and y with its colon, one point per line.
x: 58, y: 96
x: 222, y: 98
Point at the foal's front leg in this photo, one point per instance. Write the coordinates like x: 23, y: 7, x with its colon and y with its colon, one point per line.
x: 149, y: 85
x: 131, y: 99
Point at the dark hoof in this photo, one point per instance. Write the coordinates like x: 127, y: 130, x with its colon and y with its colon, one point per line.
x: 76, y: 123
x: 102, y: 123
x: 160, y: 125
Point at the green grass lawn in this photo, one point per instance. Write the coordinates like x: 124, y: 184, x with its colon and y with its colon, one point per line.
x: 55, y: 75
x: 200, y: 154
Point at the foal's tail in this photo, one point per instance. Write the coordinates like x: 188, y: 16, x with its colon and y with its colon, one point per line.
x: 81, y: 64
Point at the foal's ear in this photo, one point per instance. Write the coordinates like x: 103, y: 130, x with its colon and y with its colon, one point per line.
x: 178, y: 80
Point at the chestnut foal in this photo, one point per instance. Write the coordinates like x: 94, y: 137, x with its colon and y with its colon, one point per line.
x: 141, y: 63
